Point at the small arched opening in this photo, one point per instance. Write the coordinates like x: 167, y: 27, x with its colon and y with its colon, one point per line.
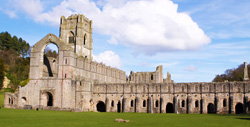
x: 101, y: 107
x: 196, y: 104
x: 224, y: 102
x: 156, y: 103
x: 152, y: 77
x: 119, y: 106
x: 239, y: 108
x: 170, y: 108
x: 144, y: 103
x: 210, y: 108
x: 112, y: 103
x: 183, y: 103
x: 50, y: 99
x: 23, y: 99
x: 132, y: 103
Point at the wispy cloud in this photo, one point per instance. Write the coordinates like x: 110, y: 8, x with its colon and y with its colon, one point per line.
x: 190, y: 68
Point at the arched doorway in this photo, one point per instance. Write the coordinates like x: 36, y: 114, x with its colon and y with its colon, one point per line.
x: 101, y: 107
x: 210, y: 108
x: 119, y: 106
x: 239, y: 108
x: 170, y: 108
x: 50, y: 99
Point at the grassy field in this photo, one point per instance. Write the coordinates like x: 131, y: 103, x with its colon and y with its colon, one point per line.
x: 42, y: 118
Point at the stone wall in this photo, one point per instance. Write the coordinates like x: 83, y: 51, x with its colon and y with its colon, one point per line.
x: 185, y: 97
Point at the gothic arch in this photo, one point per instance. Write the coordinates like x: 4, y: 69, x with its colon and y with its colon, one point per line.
x: 38, y: 50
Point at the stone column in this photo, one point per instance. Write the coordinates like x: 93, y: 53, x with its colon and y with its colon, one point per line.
x: 245, y: 105
x: 152, y: 105
x: 231, y: 105
x: 124, y: 104
x: 175, y: 104
x: 245, y: 72
x: 201, y: 106
x: 161, y: 104
x: 107, y: 105
x: 137, y: 104
x: 148, y: 104
x: 215, y: 105
x: 189, y: 103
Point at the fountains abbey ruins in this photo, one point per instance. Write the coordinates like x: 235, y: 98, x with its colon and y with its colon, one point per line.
x: 74, y: 82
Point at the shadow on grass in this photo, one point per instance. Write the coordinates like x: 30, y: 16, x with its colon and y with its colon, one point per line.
x: 243, y: 118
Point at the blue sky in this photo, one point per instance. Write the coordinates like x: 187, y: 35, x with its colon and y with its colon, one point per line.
x: 194, y: 40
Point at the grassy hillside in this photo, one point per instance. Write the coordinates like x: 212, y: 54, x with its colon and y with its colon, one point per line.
x: 26, y: 118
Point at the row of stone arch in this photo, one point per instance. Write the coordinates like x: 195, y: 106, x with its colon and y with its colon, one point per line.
x: 101, y: 107
x: 239, y: 107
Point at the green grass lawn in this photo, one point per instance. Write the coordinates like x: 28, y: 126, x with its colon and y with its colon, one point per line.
x: 42, y: 118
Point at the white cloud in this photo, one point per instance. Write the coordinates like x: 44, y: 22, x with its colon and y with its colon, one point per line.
x: 109, y: 58
x: 31, y: 7
x: 149, y: 26
x: 11, y: 14
x: 190, y: 68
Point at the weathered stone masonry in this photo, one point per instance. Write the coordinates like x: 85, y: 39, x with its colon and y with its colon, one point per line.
x: 73, y: 81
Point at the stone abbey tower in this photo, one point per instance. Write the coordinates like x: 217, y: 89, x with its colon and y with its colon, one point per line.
x: 73, y: 81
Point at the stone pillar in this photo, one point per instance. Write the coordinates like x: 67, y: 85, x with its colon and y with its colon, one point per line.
x: 245, y: 72
x: 231, y: 105
x: 189, y: 103
x: 124, y: 104
x: 152, y: 105
x: 148, y: 104
x: 107, y: 105
x: 161, y: 104
x: 137, y: 104
x: 245, y: 105
x: 201, y: 106
x: 175, y: 103
x: 215, y: 105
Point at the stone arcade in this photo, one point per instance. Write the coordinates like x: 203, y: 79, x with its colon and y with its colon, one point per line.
x: 73, y: 81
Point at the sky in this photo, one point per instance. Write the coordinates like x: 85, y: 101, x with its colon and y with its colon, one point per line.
x: 194, y: 40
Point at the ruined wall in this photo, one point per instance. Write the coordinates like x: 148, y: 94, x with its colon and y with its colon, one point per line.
x: 147, y: 77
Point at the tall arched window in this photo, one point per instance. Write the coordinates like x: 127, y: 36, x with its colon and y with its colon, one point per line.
x: 224, y: 102
x: 196, y: 104
x: 84, y: 39
x: 156, y: 103
x: 152, y: 77
x: 50, y: 58
x: 144, y: 103
x: 71, y: 37
x: 112, y: 103
x: 131, y: 103
x: 183, y: 103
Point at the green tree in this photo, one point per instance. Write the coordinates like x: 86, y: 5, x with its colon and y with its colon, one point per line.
x: 235, y: 74
x: 14, y: 52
